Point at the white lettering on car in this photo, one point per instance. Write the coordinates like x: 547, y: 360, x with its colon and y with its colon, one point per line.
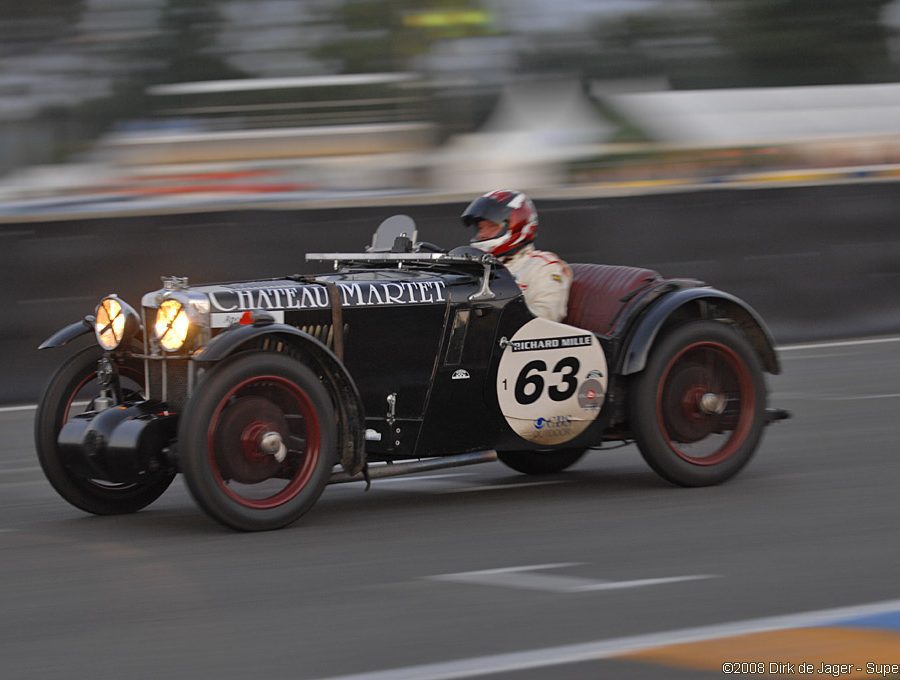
x: 316, y: 296
x: 262, y: 299
x: 422, y: 287
x: 373, y: 292
x: 245, y: 299
x: 309, y: 300
x: 394, y: 299
x: 291, y: 301
x: 219, y: 305
x: 349, y: 291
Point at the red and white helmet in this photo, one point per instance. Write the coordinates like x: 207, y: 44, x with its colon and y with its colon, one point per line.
x: 512, y: 209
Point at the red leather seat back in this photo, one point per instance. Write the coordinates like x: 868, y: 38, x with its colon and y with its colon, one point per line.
x: 595, y: 298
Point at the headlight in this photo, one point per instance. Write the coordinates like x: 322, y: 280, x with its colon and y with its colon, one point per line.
x: 172, y: 325
x: 114, y: 322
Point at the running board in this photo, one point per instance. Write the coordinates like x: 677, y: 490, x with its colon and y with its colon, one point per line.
x: 413, y: 466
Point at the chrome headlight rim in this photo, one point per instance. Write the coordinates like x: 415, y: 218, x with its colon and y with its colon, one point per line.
x: 186, y: 323
x: 115, y: 322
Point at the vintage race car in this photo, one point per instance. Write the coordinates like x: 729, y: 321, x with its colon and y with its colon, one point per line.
x: 404, y: 358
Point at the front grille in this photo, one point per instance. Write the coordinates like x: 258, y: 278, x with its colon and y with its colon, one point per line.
x: 168, y: 381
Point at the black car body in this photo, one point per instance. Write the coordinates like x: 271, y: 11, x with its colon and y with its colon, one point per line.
x: 403, y: 358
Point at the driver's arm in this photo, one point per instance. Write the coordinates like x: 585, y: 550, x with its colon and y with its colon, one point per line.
x: 547, y: 290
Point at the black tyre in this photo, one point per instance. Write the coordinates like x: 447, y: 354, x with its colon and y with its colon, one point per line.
x: 540, y: 462
x: 70, y: 391
x: 228, y: 435
x: 698, y: 409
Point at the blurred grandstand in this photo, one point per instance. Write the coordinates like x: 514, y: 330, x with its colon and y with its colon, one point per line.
x: 112, y: 101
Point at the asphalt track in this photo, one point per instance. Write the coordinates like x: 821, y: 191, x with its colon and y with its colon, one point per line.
x: 601, y: 572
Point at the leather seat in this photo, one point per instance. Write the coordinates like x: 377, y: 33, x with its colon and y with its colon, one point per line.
x: 600, y: 291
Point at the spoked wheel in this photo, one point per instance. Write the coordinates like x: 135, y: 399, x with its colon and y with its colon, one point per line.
x: 71, y: 391
x: 540, y: 462
x: 258, y: 441
x: 698, y: 409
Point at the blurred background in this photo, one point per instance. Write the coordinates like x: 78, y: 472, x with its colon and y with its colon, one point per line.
x: 172, y: 101
x: 753, y: 144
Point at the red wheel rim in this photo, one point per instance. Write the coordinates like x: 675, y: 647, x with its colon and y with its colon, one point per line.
x: 295, y: 404
x: 71, y: 399
x: 698, y: 369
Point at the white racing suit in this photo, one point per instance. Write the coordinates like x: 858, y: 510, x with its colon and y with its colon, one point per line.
x: 544, y: 279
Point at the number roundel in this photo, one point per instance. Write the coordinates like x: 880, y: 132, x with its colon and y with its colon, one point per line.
x: 551, y: 381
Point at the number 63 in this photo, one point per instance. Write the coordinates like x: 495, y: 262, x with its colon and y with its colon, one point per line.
x: 530, y: 383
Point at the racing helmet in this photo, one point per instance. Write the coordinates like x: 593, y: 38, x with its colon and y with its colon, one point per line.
x: 513, y: 210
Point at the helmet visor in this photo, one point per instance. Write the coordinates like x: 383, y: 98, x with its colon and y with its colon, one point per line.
x: 485, y: 209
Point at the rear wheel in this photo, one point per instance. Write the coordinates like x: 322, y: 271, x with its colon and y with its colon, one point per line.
x: 698, y: 409
x: 541, y: 462
x: 70, y: 391
x: 258, y: 441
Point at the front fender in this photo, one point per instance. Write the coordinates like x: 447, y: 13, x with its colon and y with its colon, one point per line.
x: 748, y: 321
x: 65, y: 335
x: 339, y: 382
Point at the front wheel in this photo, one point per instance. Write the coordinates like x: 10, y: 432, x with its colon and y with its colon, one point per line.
x: 70, y: 391
x: 540, y: 462
x: 258, y: 441
x: 698, y: 409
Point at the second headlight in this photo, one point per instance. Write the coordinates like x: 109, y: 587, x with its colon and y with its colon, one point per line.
x: 172, y: 324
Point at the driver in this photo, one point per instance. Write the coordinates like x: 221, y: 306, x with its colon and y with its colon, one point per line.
x: 505, y: 224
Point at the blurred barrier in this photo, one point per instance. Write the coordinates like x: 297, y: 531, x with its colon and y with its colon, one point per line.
x: 816, y: 262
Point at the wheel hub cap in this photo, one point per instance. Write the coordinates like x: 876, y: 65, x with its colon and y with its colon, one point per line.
x: 272, y: 444
x: 687, y: 420
x: 712, y: 404
x: 250, y: 440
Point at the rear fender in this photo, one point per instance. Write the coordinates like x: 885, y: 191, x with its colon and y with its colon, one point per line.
x: 698, y: 303
x: 342, y: 388
x: 65, y: 335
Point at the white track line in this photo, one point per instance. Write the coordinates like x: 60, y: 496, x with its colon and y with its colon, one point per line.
x: 11, y: 409
x: 515, y: 570
x: 525, y: 578
x: 823, y: 355
x: 861, y: 397
x: 839, y: 343
x: 15, y: 471
x: 605, y: 649
x: 642, y: 582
